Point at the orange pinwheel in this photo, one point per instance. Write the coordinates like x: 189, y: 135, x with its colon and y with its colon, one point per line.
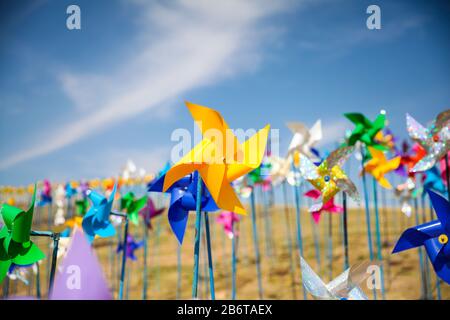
x: 378, y: 166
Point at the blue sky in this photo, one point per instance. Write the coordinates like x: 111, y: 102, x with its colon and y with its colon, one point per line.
x: 78, y: 103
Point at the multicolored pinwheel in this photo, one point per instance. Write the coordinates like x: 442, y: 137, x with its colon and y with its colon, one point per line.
x: 434, y: 235
x: 149, y: 212
x: 261, y: 176
x: 218, y: 163
x: 329, y: 207
x: 435, y: 139
x: 132, y: 206
x: 183, y: 199
x: 16, y: 246
x: 96, y: 221
x: 365, y: 130
x: 378, y: 166
x: 305, y: 139
x: 132, y: 246
x: 409, y: 158
x: 328, y: 177
x: 227, y: 219
x: 343, y: 287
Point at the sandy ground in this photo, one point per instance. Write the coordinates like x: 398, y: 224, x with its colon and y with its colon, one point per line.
x: 402, y: 273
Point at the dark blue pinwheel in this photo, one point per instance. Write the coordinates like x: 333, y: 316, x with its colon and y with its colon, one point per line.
x: 183, y: 199
x: 132, y: 246
x: 96, y: 221
x: 434, y: 235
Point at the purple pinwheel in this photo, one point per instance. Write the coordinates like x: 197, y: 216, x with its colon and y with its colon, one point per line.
x: 183, y: 199
x: 149, y: 212
x: 434, y: 235
x: 132, y: 245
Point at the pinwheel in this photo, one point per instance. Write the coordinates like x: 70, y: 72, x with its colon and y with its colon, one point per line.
x: 261, y: 176
x: 366, y: 130
x: 74, y: 221
x: 183, y: 199
x: 149, y: 212
x: 21, y: 273
x: 227, y: 219
x: 81, y: 206
x: 386, y: 139
x: 16, y: 246
x: 46, y: 194
x: 433, y: 235
x: 217, y: 163
x: 70, y: 190
x: 405, y: 192
x: 132, y: 206
x: 433, y: 181
x: 328, y: 177
x: 343, y: 287
x: 435, y: 139
x: 378, y: 166
x: 305, y: 139
x: 96, y: 221
x: 241, y: 187
x: 329, y: 207
x: 132, y: 246
x: 409, y: 158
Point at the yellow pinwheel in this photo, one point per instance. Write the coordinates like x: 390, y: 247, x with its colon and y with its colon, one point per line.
x: 219, y: 157
x: 378, y: 166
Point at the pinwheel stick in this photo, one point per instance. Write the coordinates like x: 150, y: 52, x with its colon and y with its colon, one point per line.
x: 378, y: 235
x: 344, y: 217
x: 55, y: 236
x: 233, y: 262
x: 421, y: 257
x: 299, y: 228
x: 256, y: 243
x: 289, y: 240
x: 366, y: 205
x: 198, y: 224
x: 210, y: 262
x: 124, y: 253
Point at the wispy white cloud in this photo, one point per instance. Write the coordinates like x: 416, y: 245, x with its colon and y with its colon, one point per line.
x: 333, y: 131
x: 197, y: 43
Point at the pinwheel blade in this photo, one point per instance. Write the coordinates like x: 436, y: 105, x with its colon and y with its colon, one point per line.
x: 442, y: 208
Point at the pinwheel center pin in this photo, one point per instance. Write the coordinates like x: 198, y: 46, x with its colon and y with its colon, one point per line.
x: 443, y: 239
x: 326, y: 178
x: 436, y: 138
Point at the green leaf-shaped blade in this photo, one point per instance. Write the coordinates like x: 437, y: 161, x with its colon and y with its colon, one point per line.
x: 28, y: 254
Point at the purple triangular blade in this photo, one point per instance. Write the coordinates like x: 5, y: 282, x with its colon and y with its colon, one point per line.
x: 80, y: 275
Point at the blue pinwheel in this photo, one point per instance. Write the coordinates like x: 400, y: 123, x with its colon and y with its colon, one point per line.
x: 96, y: 221
x: 433, y: 181
x: 433, y: 235
x: 183, y: 199
x: 132, y: 246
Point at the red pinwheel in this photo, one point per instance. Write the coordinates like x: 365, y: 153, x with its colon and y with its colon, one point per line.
x: 329, y: 207
x: 434, y: 235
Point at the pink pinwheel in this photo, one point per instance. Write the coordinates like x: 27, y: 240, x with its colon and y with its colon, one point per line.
x: 329, y: 207
x: 149, y: 212
x: 227, y: 219
x: 444, y: 168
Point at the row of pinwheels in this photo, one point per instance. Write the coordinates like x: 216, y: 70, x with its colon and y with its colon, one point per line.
x: 211, y: 176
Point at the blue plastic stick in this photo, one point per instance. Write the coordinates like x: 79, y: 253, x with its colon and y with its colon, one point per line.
x: 233, y: 263
x: 210, y: 262
x: 299, y: 228
x: 145, y: 282
x: 124, y: 259
x: 366, y: 204
x: 256, y: 244
x: 378, y: 236
x: 179, y: 271
x: 198, y: 226
x: 421, y: 261
x: 289, y: 241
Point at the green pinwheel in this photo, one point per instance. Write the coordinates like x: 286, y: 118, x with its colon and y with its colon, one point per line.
x: 16, y: 246
x: 132, y: 206
x: 365, y: 130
